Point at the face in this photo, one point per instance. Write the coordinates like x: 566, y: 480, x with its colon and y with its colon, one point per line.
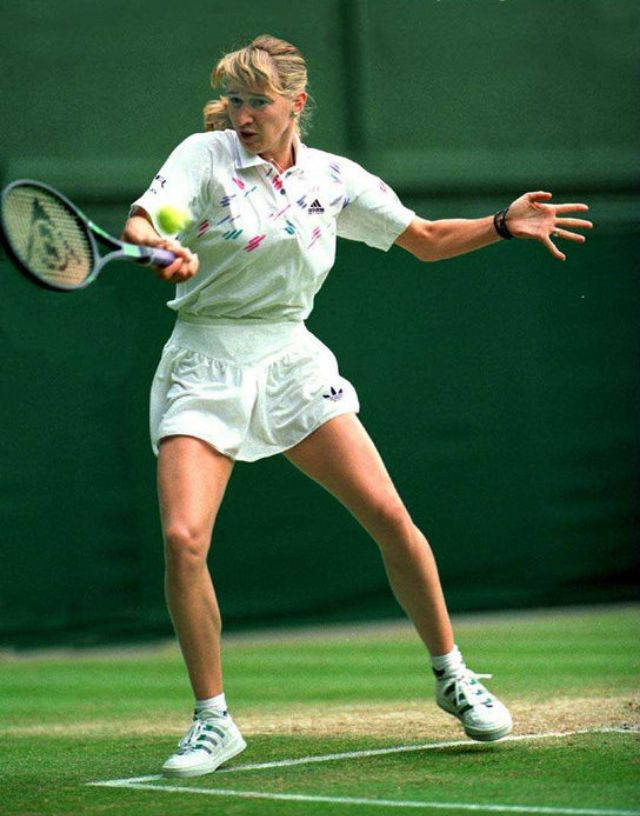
x: 262, y: 119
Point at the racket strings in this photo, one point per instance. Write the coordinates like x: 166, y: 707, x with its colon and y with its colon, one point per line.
x: 46, y: 236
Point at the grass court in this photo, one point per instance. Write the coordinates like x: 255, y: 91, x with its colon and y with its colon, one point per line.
x: 304, y: 699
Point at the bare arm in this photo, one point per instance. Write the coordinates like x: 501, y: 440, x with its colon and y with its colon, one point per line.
x: 437, y: 240
x: 139, y: 230
x: 527, y: 218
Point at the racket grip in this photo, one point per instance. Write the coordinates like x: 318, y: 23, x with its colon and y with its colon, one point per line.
x: 161, y: 257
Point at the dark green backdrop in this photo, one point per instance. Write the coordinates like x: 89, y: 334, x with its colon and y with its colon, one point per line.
x: 501, y: 387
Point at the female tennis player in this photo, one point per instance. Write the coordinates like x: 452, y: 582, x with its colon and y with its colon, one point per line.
x: 242, y: 378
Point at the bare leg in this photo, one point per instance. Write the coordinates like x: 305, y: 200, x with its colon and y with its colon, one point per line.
x: 342, y: 458
x: 192, y: 478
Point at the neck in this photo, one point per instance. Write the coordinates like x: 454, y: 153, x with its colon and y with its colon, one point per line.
x: 282, y: 157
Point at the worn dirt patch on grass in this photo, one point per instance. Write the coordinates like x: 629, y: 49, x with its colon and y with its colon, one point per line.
x: 420, y: 720
x: 407, y: 721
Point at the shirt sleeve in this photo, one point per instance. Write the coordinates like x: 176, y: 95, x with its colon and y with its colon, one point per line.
x: 371, y: 212
x: 182, y: 182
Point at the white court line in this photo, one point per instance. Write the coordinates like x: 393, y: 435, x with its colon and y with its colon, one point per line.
x: 142, y: 782
x: 429, y: 746
x: 348, y: 800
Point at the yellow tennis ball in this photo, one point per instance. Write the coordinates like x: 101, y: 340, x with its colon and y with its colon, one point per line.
x: 170, y: 220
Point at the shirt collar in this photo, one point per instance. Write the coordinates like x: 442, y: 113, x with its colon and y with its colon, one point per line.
x: 244, y: 159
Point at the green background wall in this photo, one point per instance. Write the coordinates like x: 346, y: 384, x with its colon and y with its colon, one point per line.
x: 501, y: 387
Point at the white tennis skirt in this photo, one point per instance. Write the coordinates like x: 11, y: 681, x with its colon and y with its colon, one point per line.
x: 250, y: 389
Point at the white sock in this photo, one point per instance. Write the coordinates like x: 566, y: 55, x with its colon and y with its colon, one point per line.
x: 447, y: 664
x: 217, y: 705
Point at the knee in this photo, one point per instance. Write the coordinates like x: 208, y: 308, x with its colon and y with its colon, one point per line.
x: 390, y: 520
x: 186, y: 547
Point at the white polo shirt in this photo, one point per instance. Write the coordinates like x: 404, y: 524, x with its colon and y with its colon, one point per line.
x: 266, y: 241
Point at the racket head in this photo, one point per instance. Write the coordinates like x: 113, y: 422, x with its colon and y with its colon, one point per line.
x: 47, y: 237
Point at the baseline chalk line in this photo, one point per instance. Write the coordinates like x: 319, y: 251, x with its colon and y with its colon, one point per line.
x: 143, y: 782
x: 429, y: 746
x: 348, y: 800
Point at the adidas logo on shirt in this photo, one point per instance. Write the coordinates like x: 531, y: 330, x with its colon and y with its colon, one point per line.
x: 315, y: 208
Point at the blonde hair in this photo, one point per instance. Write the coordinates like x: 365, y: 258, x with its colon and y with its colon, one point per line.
x: 266, y: 63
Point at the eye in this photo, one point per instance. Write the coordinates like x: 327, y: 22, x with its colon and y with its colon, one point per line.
x: 259, y: 103
x: 236, y: 101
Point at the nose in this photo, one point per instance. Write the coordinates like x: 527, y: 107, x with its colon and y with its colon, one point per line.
x: 243, y: 115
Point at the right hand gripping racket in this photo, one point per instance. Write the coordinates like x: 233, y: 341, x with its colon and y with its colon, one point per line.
x: 54, y: 244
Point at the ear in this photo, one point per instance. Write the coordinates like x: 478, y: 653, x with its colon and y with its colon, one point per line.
x: 299, y: 101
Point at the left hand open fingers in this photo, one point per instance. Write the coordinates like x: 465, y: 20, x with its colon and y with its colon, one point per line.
x: 553, y: 249
x: 569, y: 236
x: 562, y: 208
x: 573, y: 222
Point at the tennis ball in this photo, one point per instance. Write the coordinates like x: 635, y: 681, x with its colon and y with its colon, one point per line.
x: 170, y: 220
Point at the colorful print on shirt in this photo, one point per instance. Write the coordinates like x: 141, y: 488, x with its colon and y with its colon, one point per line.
x: 266, y: 240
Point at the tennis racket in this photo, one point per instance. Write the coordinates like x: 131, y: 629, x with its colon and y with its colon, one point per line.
x: 54, y: 244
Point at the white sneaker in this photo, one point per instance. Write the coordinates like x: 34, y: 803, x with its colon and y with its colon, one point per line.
x: 483, y: 716
x: 207, y: 744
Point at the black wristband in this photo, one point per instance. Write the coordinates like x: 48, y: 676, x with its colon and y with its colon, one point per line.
x: 500, y: 223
